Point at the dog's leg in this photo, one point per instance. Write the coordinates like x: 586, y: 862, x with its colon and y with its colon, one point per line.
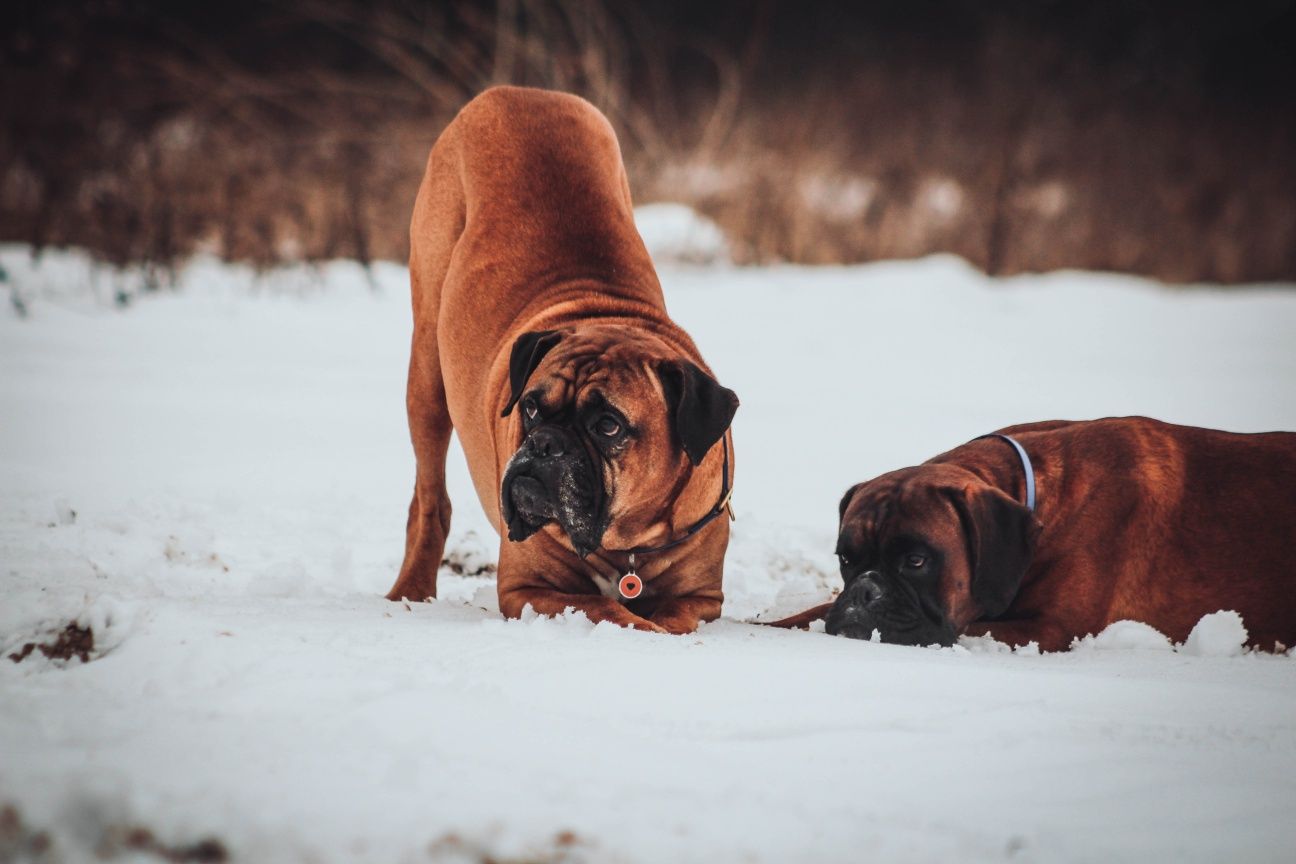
x: 429, y: 513
x: 683, y: 614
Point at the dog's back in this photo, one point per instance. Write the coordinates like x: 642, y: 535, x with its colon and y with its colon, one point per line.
x: 1206, y: 519
x: 527, y: 190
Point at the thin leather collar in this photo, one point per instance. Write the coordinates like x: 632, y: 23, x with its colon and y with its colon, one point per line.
x: 1026, y: 464
x: 721, y: 505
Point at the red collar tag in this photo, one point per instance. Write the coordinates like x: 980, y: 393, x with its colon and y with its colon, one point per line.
x: 630, y: 586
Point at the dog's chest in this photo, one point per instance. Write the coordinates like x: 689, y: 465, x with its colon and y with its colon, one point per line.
x: 610, y: 582
x: 608, y: 586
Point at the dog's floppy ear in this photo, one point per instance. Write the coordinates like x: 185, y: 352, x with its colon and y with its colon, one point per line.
x: 528, y: 350
x: 702, y: 409
x: 1000, y: 537
x: 845, y: 502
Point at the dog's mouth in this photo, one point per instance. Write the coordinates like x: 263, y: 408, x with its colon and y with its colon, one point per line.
x: 541, y: 489
x: 532, y: 503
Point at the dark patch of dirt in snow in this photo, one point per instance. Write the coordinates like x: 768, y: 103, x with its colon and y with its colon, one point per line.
x: 72, y: 641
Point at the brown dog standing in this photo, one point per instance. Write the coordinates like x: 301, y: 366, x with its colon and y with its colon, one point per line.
x: 1134, y: 519
x: 591, y: 425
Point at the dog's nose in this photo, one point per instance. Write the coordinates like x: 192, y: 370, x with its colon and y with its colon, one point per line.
x: 868, y: 589
x: 546, y: 442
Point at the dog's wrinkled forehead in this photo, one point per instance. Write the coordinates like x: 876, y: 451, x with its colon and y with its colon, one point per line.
x: 870, y: 508
x: 867, y: 514
x: 585, y: 373
x: 908, y: 501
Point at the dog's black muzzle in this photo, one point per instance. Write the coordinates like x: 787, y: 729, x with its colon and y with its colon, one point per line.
x: 551, y: 478
x: 899, y: 614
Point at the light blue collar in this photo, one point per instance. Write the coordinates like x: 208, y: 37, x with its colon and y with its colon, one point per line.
x: 1026, y: 464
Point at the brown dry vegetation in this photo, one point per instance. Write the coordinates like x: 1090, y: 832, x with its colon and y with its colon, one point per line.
x: 1154, y: 139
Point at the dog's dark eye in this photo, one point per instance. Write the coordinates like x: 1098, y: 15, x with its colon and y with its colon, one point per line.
x: 530, y: 408
x: 844, y: 559
x: 915, y: 561
x: 608, y: 426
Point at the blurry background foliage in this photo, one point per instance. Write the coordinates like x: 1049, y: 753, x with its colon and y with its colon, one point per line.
x: 1151, y: 137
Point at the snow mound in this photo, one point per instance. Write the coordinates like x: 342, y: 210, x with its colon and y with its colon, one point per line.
x: 676, y: 233
x: 983, y: 645
x: 1219, y: 634
x: 988, y: 644
x: 1126, y: 636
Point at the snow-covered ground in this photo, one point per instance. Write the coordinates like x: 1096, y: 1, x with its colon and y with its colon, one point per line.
x: 216, y: 482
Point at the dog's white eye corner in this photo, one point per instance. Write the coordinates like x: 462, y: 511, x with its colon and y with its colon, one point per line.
x: 529, y: 407
x: 915, y: 561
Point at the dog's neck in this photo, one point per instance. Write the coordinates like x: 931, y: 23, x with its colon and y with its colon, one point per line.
x: 994, y: 462
x: 672, y: 540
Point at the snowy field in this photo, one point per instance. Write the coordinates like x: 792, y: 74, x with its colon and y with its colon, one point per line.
x: 216, y: 480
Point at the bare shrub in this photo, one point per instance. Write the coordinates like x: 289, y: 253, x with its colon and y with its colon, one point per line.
x: 1015, y: 139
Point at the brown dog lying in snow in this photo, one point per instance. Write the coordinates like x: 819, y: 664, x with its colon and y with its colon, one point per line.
x: 1088, y: 524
